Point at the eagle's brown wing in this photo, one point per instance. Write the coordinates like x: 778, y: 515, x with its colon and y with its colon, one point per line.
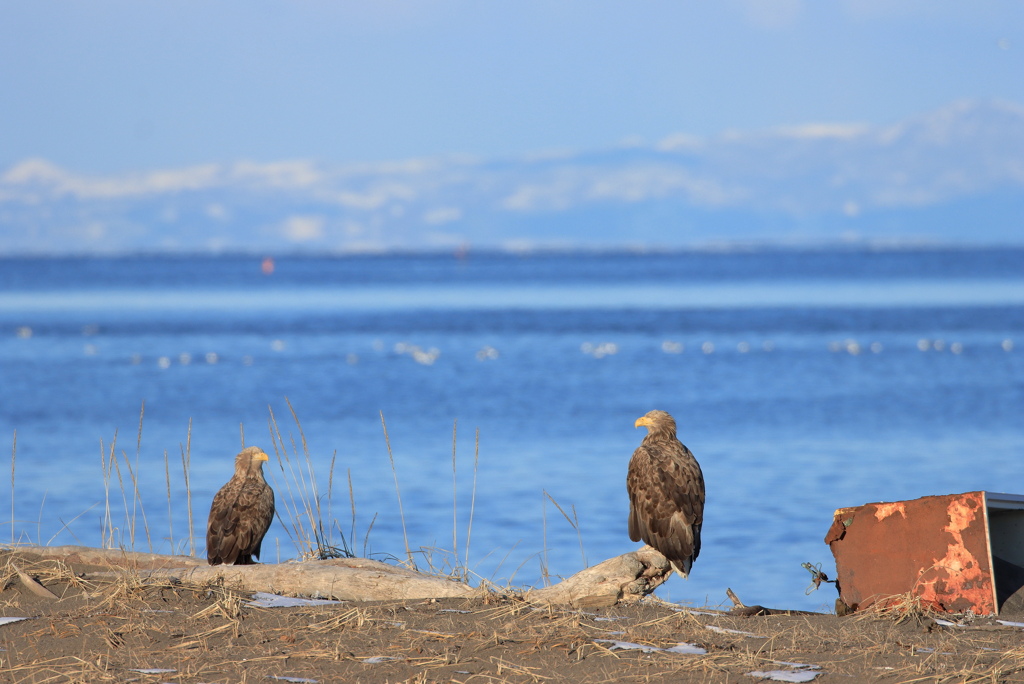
x: 666, y: 501
x: 240, y: 516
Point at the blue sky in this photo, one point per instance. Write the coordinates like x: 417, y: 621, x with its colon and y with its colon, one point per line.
x: 108, y: 87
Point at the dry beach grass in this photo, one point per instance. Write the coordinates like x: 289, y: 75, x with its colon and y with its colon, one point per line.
x: 108, y: 626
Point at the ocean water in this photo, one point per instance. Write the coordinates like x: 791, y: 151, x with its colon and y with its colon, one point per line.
x: 803, y: 381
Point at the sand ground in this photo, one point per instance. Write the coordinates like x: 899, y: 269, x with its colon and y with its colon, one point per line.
x: 124, y: 629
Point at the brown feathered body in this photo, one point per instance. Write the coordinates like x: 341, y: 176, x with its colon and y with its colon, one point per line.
x: 666, y: 493
x: 241, y: 512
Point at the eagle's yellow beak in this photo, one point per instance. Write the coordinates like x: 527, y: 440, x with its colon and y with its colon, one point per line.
x: 261, y: 457
x: 642, y: 420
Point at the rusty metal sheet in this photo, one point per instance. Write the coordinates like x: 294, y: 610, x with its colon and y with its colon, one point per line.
x: 935, y: 548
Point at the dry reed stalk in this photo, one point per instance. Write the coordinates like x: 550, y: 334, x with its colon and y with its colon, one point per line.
x: 398, y: 493
x: 186, y: 465
x: 366, y: 538
x: 135, y: 482
x: 472, y: 500
x: 503, y: 666
x: 14, y: 455
x: 170, y: 519
x: 130, y: 512
x: 112, y: 461
x: 455, y: 497
x: 330, y: 487
x: 67, y: 525
x: 574, y: 522
x: 354, y: 617
x: 544, y: 542
x: 312, y: 540
x: 311, y: 499
x: 136, y: 504
x: 289, y: 503
x: 518, y: 567
x: 899, y: 607
x: 352, y: 502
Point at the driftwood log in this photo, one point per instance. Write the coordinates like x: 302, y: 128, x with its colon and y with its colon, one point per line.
x: 626, y: 578
x: 347, y: 579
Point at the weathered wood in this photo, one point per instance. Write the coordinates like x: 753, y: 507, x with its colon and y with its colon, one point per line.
x: 352, y: 579
x: 114, y: 558
x: 347, y: 579
x: 625, y: 578
x: 33, y: 585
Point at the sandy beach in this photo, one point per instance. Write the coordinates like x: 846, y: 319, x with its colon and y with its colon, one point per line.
x: 106, y: 626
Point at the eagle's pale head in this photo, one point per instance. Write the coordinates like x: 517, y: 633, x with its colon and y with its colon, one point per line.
x: 250, y: 461
x: 657, y: 423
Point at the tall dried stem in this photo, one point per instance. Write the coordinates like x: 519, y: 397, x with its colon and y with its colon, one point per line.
x: 472, y: 500
x: 287, y: 500
x: 136, y: 501
x: 14, y: 455
x: 137, y: 504
x: 186, y: 465
x: 170, y: 519
x: 398, y: 492
x: 455, y: 495
x: 574, y: 522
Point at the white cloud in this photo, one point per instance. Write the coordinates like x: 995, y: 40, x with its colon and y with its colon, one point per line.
x: 652, y: 182
x: 217, y: 211
x: 819, y: 131
x: 176, y: 180
x: 303, y: 228
x: 353, y: 228
x: 405, y: 167
x: 61, y: 182
x: 299, y: 173
x: 679, y: 142
x: 574, y: 186
x: 558, y: 193
x: 94, y: 230
x: 35, y: 170
x: 442, y: 215
x: 374, y: 198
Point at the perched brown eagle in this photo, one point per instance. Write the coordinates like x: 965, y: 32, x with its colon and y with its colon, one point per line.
x: 666, y: 493
x: 241, y: 512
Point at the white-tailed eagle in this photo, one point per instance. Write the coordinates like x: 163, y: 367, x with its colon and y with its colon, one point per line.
x: 241, y: 512
x: 666, y: 493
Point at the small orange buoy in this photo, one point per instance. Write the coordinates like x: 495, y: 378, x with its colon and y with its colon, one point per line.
x: 267, y: 266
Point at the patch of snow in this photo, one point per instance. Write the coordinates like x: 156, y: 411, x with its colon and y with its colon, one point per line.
x: 785, y: 675
x: 808, y: 666
x: 681, y: 647
x: 264, y: 600
x: 723, y: 630
x: 685, y: 648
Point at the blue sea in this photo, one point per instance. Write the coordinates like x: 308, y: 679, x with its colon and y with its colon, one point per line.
x: 802, y: 380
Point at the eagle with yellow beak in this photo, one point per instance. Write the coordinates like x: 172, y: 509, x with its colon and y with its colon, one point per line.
x: 241, y: 512
x: 666, y: 493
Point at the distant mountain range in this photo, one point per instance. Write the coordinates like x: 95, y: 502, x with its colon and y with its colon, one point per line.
x: 952, y: 176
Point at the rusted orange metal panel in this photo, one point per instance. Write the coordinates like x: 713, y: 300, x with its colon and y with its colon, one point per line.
x: 935, y: 548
